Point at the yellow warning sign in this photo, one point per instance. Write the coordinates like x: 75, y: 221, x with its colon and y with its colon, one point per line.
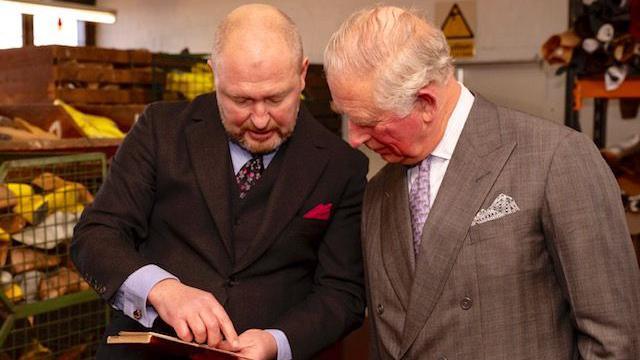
x: 458, y: 33
x: 455, y: 26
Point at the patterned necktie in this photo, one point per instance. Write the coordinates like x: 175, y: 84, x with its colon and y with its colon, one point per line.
x: 419, y: 202
x: 249, y: 175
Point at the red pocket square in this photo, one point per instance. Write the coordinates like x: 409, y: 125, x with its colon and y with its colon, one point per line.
x: 320, y: 212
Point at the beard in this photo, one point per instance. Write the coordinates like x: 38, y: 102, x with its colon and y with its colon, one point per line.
x: 240, y: 136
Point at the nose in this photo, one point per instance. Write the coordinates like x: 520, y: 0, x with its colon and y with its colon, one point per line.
x: 357, y: 134
x: 260, y: 116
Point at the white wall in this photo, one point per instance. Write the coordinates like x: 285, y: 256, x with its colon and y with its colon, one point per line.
x: 512, y: 29
x: 508, y: 37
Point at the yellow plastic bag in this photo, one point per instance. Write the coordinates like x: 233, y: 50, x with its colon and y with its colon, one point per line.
x: 32, y: 207
x: 4, y: 236
x: 191, y: 84
x: 92, y: 126
x: 66, y: 198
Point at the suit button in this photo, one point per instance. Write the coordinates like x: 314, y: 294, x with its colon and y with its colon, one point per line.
x: 380, y: 309
x: 466, y: 303
x: 137, y: 314
x: 231, y: 282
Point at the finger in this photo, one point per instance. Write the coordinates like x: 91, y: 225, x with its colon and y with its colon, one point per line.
x: 225, y: 345
x: 227, y: 326
x: 213, y: 328
x: 182, y: 330
x: 243, y: 353
x: 198, y: 329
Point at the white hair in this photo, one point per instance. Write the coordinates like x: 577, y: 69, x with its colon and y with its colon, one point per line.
x: 398, y: 48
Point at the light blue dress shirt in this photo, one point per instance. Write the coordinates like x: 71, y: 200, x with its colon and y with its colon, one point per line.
x: 132, y: 295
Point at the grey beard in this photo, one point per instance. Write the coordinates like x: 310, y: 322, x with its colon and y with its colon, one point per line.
x: 240, y: 142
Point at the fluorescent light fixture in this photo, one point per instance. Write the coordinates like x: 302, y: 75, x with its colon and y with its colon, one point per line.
x: 61, y: 9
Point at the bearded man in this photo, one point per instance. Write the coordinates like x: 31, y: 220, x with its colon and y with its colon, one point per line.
x: 235, y: 216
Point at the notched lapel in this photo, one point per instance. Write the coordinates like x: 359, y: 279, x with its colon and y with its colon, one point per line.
x: 478, y: 159
x: 303, y: 163
x: 209, y: 153
x: 395, y: 230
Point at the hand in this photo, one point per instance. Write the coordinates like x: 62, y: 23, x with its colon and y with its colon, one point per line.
x: 194, y: 314
x: 254, y: 344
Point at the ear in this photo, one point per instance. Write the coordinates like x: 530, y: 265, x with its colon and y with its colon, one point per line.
x: 428, y: 102
x: 303, y: 72
x: 210, y: 63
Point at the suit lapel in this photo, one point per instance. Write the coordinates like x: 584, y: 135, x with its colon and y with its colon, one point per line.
x: 209, y: 153
x: 397, y: 255
x: 477, y: 161
x: 303, y: 163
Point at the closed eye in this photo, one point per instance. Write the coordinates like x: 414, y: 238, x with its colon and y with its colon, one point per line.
x: 241, y: 100
x: 275, y: 100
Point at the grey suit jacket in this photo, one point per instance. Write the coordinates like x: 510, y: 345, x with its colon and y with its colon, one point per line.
x: 555, y: 280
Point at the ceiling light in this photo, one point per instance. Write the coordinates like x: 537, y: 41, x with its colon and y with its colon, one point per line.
x: 61, y: 9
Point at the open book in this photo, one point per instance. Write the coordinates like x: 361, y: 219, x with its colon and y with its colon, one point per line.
x: 166, y: 344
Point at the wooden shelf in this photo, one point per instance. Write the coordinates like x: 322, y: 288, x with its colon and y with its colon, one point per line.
x: 74, y: 145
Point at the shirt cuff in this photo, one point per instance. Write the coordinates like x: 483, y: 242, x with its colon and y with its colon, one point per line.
x: 131, y: 298
x: 282, y: 343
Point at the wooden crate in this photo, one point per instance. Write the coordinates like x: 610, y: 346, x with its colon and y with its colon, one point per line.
x: 76, y: 75
x: 44, y: 115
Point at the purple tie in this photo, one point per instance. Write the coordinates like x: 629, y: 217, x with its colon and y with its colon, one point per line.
x: 419, y: 202
x: 249, y: 175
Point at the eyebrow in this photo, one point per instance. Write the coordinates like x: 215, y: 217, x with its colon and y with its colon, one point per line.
x: 244, y: 95
x: 280, y: 94
x: 369, y: 122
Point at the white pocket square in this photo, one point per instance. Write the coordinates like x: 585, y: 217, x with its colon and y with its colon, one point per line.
x: 502, y: 206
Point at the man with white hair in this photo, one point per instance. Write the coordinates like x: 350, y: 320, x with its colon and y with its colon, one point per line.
x: 234, y: 213
x: 491, y: 234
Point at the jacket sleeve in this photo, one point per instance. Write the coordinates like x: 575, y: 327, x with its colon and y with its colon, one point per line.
x: 105, y: 239
x: 587, y: 235
x: 336, y: 304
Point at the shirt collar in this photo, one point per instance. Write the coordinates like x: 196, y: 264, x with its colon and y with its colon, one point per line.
x: 456, y: 122
x: 239, y: 156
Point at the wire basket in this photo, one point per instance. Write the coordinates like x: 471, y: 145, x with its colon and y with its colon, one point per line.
x: 47, y: 309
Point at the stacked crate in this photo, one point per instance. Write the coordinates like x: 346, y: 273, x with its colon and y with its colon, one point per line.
x: 46, y: 309
x: 76, y: 75
x: 108, y: 82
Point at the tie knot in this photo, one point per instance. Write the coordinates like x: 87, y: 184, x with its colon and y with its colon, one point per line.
x: 255, y: 163
x: 425, y: 165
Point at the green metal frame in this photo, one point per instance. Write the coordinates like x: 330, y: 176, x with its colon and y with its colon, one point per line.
x: 40, y: 307
x: 25, y: 310
x: 52, y: 160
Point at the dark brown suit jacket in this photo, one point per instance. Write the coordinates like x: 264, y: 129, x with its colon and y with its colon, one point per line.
x: 555, y: 280
x: 166, y: 201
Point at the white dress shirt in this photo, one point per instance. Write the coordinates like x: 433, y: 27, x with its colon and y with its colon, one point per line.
x: 441, y: 155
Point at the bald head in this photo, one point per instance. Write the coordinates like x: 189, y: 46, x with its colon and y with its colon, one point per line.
x: 396, y: 48
x: 257, y: 31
